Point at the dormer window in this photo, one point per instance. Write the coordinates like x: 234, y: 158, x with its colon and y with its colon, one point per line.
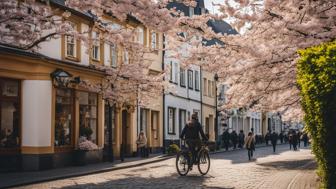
x: 191, y: 11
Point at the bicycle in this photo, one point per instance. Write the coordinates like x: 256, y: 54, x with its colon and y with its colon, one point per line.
x: 184, y: 160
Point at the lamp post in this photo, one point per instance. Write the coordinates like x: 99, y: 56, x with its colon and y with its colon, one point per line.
x: 216, y: 117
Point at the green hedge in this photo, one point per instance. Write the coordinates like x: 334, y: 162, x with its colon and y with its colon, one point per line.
x: 317, y: 81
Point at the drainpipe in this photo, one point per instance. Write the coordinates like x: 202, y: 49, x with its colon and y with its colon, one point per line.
x: 201, y: 95
x: 164, y: 102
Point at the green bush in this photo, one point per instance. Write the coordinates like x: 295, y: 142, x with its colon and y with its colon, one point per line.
x: 173, y: 149
x: 317, y: 81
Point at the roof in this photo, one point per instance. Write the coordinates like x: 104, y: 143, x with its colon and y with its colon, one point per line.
x: 61, y: 4
x: 185, y: 9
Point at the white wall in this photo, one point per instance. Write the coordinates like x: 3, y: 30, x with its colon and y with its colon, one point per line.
x: 178, y: 103
x: 36, y: 113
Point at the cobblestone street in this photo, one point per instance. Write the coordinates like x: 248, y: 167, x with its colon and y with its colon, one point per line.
x: 284, y: 169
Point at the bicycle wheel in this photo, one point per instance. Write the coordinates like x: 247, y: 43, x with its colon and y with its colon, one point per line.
x: 203, y: 162
x: 182, y: 164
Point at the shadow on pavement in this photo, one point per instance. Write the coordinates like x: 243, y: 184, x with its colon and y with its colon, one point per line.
x: 240, y: 156
x: 290, y: 165
x: 173, y: 181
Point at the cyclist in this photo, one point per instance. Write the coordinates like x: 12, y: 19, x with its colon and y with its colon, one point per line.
x: 191, y: 133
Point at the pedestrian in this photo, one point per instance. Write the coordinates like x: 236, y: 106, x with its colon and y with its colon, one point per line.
x: 299, y: 138
x: 267, y: 137
x: 249, y: 145
x: 294, y: 140
x: 241, y: 138
x: 274, y: 140
x: 305, y: 139
x: 142, y: 144
x: 281, y: 137
x: 290, y: 139
x: 226, y: 139
x: 234, y: 139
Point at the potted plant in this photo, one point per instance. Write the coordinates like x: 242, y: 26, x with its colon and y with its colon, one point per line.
x: 173, y: 149
x: 85, y: 146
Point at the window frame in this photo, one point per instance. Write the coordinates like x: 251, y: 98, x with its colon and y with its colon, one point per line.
x: 73, y: 122
x: 97, y: 116
x: 182, y: 78
x: 190, y: 79
x: 173, y: 132
x: 77, y: 46
x: 113, y: 54
x: 197, y: 83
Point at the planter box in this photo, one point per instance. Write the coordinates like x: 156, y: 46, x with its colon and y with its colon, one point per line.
x: 82, y: 157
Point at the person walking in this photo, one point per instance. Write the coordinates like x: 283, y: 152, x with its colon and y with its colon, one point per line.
x: 274, y: 140
x: 241, y: 138
x: 250, y: 145
x: 226, y: 139
x: 294, y: 140
x: 234, y: 139
x: 299, y: 138
x: 281, y: 137
x: 142, y: 144
x: 290, y: 139
x: 267, y: 137
x: 305, y: 139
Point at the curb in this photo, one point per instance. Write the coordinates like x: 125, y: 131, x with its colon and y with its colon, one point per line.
x: 64, y: 176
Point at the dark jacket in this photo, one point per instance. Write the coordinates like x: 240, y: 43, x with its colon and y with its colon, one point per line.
x: 226, y: 136
x: 274, y: 138
x: 192, y: 131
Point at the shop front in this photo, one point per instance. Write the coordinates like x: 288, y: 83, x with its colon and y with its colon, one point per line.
x: 42, y: 119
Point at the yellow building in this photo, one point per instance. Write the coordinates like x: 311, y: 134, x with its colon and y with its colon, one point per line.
x: 45, y: 108
x: 208, y: 104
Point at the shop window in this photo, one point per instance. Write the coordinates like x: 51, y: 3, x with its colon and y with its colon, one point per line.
x: 64, y: 117
x: 9, y: 113
x: 88, y: 115
x: 107, y: 133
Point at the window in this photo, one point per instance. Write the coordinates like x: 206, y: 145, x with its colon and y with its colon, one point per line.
x: 222, y: 93
x: 171, y: 71
x: 114, y: 55
x: 171, y: 120
x: 197, y: 81
x: 126, y: 57
x: 70, y: 46
x: 140, y: 35
x: 143, y: 120
x: 190, y: 79
x: 88, y: 115
x: 207, y: 126
x: 175, y: 73
x: 209, y: 88
x: 214, y: 89
x: 155, y: 124
x: 95, y: 46
x: 205, y: 86
x: 182, y: 77
x: 153, y: 40
x: 64, y: 117
x: 9, y: 113
x: 182, y: 119
x: 191, y: 11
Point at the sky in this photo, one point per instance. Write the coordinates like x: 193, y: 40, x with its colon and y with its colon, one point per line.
x: 208, y: 5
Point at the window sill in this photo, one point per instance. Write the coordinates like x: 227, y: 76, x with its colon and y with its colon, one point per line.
x: 72, y: 58
x: 183, y: 86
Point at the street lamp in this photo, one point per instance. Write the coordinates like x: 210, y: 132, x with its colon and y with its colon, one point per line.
x: 216, y: 118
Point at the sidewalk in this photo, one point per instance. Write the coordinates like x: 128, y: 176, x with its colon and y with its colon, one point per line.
x: 14, y: 179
